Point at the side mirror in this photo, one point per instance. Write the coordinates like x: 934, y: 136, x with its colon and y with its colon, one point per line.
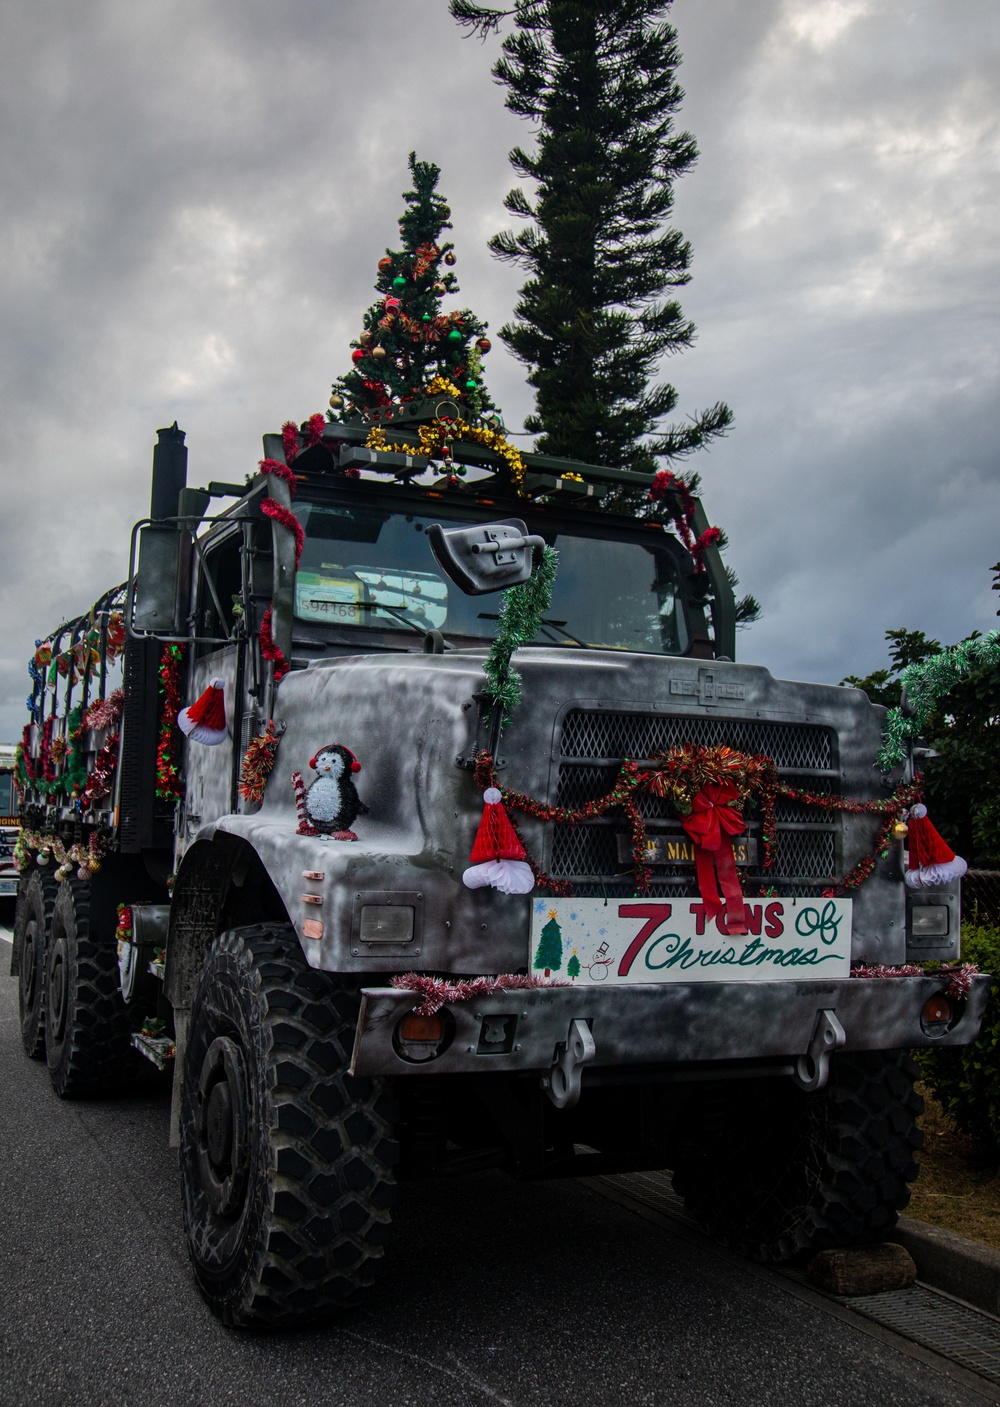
x: 159, y: 587
x: 488, y: 557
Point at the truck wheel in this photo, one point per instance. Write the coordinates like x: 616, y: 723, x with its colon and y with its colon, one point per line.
x: 779, y: 1172
x: 286, y: 1159
x: 31, y: 926
x: 87, y: 1025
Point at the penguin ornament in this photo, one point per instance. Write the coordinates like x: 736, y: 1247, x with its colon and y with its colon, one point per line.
x: 330, y: 805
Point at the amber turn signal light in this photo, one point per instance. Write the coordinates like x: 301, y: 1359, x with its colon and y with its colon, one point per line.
x: 937, y: 1009
x: 421, y: 1028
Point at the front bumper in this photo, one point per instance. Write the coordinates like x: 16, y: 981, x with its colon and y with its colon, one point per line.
x: 668, y: 1024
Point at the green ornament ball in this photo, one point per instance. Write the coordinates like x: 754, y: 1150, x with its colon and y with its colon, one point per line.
x: 471, y: 385
x: 399, y: 281
x: 454, y: 335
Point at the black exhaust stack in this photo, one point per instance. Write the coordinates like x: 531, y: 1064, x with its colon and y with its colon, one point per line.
x: 169, y: 472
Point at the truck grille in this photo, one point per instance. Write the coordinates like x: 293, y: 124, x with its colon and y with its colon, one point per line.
x: 592, y: 747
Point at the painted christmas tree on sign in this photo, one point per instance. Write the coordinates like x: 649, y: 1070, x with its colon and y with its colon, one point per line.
x: 548, y: 958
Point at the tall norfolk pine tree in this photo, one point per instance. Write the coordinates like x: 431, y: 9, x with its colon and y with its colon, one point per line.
x: 597, y: 76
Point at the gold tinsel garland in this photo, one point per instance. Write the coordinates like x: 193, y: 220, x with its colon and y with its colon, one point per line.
x: 435, y: 436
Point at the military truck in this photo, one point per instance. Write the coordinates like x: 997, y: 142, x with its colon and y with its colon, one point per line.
x: 339, y: 1011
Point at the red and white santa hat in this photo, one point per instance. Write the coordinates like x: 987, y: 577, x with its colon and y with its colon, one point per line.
x: 931, y: 861
x: 498, y: 857
x: 204, y: 721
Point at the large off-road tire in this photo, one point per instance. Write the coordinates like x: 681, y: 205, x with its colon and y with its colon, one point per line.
x: 88, y: 1028
x: 35, y: 901
x: 778, y: 1172
x: 286, y: 1159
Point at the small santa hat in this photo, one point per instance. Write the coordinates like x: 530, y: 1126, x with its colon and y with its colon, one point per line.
x: 931, y: 860
x: 205, y: 720
x: 498, y: 857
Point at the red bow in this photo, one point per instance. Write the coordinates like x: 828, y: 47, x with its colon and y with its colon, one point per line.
x: 713, y: 821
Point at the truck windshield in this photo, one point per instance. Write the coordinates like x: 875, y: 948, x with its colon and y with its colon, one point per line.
x: 609, y: 594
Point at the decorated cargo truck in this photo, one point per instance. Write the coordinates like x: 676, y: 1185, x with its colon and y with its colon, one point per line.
x: 413, y: 813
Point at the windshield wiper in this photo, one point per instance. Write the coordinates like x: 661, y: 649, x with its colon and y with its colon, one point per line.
x: 559, y: 625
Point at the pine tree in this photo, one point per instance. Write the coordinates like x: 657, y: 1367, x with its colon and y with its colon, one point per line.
x: 573, y: 967
x: 407, y: 339
x: 549, y: 953
x: 595, y: 316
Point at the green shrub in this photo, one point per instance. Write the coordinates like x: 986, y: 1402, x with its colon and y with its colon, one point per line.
x: 966, y: 1079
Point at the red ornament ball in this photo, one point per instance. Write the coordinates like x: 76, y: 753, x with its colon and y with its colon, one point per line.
x: 385, y: 265
x: 393, y: 305
x: 357, y: 355
x: 484, y: 344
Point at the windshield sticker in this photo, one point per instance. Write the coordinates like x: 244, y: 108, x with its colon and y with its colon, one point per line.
x: 620, y: 941
x: 326, y: 599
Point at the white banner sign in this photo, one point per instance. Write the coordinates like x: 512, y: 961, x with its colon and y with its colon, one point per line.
x: 590, y: 941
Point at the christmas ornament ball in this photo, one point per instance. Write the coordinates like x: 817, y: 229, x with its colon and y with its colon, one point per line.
x: 385, y: 264
x: 900, y: 830
x: 365, y: 338
x: 484, y: 344
x: 449, y: 259
x: 336, y: 402
x: 357, y: 355
x: 378, y: 353
x: 471, y: 384
x: 399, y: 281
x: 392, y: 305
x: 454, y: 335
x: 439, y: 289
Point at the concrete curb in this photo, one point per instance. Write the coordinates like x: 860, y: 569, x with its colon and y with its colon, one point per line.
x: 952, y: 1263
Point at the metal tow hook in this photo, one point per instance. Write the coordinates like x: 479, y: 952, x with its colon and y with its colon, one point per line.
x: 812, y: 1070
x: 562, y: 1083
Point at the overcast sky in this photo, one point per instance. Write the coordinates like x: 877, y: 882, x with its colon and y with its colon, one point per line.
x: 196, y: 192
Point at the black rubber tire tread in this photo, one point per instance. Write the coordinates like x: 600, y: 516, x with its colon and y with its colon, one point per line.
x: 781, y: 1173
x: 309, y: 1236
x: 89, y: 1050
x: 35, y: 901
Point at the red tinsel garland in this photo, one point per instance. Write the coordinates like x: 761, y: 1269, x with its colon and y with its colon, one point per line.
x: 26, y: 759
x: 45, y: 761
x: 280, y: 471
x: 959, y: 976
x: 288, y: 520
x: 436, y: 991
x: 168, y: 778
x: 270, y: 649
x: 101, y: 779
x: 290, y: 441
x: 667, y: 482
x: 682, y: 772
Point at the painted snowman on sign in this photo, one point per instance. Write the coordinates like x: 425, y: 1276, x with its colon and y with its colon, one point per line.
x: 329, y: 807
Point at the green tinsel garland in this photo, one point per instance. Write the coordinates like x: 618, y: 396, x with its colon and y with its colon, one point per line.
x: 926, y: 684
x: 521, y: 611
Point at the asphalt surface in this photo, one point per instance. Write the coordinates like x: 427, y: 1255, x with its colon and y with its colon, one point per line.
x: 495, y: 1292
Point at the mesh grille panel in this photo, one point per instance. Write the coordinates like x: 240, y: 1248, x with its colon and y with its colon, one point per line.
x: 792, y: 746
x: 805, y: 859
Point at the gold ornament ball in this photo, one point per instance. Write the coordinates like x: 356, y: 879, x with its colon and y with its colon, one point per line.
x: 336, y: 402
x: 449, y: 259
x: 379, y: 353
x: 365, y: 338
x: 439, y: 288
x: 900, y: 831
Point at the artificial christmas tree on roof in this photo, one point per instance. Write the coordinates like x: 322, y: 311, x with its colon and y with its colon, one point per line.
x: 410, y: 346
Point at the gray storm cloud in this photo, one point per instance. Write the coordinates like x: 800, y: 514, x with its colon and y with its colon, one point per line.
x: 196, y: 195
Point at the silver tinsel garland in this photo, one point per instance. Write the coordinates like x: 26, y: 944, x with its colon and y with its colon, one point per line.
x: 926, y: 684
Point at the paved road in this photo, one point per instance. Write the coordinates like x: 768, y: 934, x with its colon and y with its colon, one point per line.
x: 496, y: 1293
